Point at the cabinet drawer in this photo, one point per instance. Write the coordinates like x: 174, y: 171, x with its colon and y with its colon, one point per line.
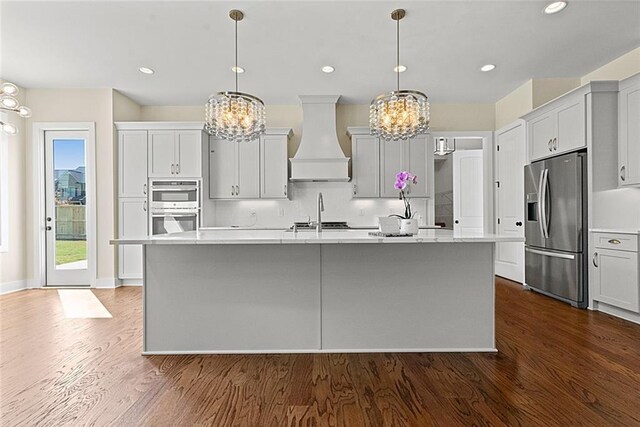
x: 616, y: 241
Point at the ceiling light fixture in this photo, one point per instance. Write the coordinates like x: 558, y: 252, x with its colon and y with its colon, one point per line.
x: 235, y: 116
x: 399, y: 114
x: 328, y: 69
x: 9, y: 103
x: 146, y: 70
x: 400, y: 69
x: 442, y: 146
x: 237, y: 69
x: 488, y: 67
x: 555, y: 7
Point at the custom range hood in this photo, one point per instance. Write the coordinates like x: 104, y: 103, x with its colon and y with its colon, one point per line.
x: 319, y: 157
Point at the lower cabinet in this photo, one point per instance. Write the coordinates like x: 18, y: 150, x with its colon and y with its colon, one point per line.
x: 133, y: 219
x: 615, y: 278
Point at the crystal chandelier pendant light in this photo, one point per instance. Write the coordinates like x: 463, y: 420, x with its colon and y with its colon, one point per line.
x: 400, y: 114
x: 235, y: 116
x: 8, y: 102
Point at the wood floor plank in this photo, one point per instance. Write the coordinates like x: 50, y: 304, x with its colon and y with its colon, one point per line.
x: 556, y: 366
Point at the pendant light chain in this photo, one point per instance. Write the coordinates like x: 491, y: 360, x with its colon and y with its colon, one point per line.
x: 398, y: 53
x: 236, y: 70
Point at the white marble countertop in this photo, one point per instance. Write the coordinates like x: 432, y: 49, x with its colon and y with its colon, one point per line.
x: 615, y: 230
x: 207, y: 237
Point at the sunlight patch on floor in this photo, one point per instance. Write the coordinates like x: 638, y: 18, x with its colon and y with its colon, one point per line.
x: 82, y: 304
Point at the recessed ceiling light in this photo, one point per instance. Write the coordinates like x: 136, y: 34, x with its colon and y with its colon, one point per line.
x: 487, y: 67
x: 146, y: 70
x: 237, y: 70
x: 555, y: 7
x: 400, y: 69
x: 328, y: 69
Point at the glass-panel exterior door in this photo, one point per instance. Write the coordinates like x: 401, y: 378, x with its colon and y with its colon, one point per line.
x: 65, y: 219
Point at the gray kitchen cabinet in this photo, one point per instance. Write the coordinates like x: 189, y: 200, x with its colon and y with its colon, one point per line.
x: 365, y: 158
x: 174, y: 153
x: 132, y: 224
x: 234, y: 169
x: 132, y: 163
x: 274, y: 173
x: 629, y: 132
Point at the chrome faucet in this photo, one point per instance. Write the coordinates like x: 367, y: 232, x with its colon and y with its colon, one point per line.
x: 320, y: 210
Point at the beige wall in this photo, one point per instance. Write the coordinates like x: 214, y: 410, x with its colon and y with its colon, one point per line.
x: 80, y: 105
x: 514, y: 105
x: 618, y: 69
x: 544, y: 90
x: 13, y: 263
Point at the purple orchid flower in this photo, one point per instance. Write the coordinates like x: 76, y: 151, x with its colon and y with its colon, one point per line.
x: 403, y: 179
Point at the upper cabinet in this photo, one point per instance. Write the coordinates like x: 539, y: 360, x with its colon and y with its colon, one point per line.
x: 174, y: 153
x: 629, y: 132
x: 557, y: 127
x: 250, y: 170
x: 375, y: 164
x: 132, y: 163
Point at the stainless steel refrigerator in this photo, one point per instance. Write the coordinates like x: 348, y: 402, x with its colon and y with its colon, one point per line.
x: 556, y: 227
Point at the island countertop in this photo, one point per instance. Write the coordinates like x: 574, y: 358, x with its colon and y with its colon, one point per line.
x: 215, y: 237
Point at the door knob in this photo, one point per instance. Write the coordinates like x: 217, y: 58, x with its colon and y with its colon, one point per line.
x: 457, y: 222
x: 48, y: 228
x: 519, y: 223
x: 48, y: 219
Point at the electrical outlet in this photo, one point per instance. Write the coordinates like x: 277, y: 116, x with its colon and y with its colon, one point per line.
x: 253, y: 214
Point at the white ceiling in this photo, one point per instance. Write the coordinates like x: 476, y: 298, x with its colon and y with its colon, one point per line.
x: 283, y: 45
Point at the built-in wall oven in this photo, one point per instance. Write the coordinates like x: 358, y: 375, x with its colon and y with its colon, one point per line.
x: 175, y: 206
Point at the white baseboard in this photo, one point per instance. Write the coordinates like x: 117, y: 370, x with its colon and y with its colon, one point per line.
x: 617, y: 312
x: 130, y: 282
x: 15, y: 286
x: 107, y: 283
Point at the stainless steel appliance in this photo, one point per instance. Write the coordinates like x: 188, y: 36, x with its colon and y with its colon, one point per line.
x: 555, y: 227
x: 175, y: 206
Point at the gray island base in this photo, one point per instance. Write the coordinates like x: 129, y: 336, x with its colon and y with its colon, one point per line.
x: 335, y: 292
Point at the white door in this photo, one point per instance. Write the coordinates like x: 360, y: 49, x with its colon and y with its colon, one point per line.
x: 248, y: 170
x: 510, y: 161
x: 188, y: 154
x: 222, y: 169
x: 132, y: 147
x: 66, y: 208
x: 161, y: 154
x: 468, y: 191
x: 391, y: 162
x: 365, y: 153
x: 274, y: 166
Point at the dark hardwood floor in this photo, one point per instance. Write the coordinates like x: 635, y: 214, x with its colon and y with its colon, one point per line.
x: 556, y: 366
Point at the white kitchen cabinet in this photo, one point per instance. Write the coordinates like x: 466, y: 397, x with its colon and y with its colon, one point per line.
x: 234, y: 169
x: 615, y: 277
x: 174, y: 153
x: 132, y: 219
x: 365, y: 158
x: 392, y: 160
x: 417, y: 161
x: 557, y: 127
x: 274, y: 167
x: 629, y: 132
x: 132, y: 164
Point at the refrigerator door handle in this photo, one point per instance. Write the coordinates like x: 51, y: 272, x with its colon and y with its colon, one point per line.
x: 540, y: 181
x: 551, y: 254
x: 544, y: 207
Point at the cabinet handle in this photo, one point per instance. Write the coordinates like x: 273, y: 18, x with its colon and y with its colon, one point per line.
x: 614, y: 241
x: 555, y: 144
x: 237, y: 190
x: 285, y: 189
x: 173, y: 169
x: 144, y: 206
x: 355, y: 189
x: 177, y: 168
x: 549, y: 145
x: 144, y: 189
x: 623, y: 174
x: 233, y: 190
x: 595, y: 259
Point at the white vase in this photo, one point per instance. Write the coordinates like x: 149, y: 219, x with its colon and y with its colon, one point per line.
x: 409, y: 226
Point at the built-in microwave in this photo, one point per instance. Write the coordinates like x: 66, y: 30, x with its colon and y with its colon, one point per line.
x: 168, y: 194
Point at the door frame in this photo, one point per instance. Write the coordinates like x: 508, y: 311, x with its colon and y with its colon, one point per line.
x: 487, y: 164
x: 38, y: 197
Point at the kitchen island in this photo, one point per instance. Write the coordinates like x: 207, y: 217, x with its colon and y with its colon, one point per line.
x: 274, y: 291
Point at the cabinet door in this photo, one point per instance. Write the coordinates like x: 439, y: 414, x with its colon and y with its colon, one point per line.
x: 629, y: 137
x: 161, y: 153
x: 248, y: 180
x: 417, y: 162
x: 571, y: 127
x: 273, y: 158
x: 616, y: 278
x: 132, y: 224
x: 391, y: 162
x: 187, y: 153
x: 365, y: 160
x: 132, y: 165
x: 222, y: 168
x: 541, y: 133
